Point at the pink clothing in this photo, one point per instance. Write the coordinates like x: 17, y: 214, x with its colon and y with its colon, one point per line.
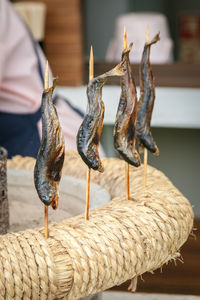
x: 20, y: 84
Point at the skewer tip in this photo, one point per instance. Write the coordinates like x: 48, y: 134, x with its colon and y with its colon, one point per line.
x: 46, y: 80
x: 91, y: 50
x: 147, y: 34
x: 125, y: 39
x: 91, y: 64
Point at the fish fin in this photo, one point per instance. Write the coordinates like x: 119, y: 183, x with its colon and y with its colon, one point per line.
x: 54, y: 202
x: 56, y: 163
x: 117, y: 71
x: 51, y: 89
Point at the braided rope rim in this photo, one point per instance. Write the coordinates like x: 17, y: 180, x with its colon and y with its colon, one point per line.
x: 121, y: 240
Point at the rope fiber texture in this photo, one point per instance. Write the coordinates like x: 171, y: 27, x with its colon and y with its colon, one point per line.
x: 121, y: 240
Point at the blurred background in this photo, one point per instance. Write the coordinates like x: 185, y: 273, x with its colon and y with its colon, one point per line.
x: 69, y: 28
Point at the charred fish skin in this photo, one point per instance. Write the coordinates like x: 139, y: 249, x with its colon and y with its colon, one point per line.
x: 88, y: 138
x: 50, y: 159
x: 89, y: 133
x: 146, y: 102
x: 125, y: 124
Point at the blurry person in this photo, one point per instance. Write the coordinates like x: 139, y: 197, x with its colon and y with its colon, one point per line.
x: 22, y: 68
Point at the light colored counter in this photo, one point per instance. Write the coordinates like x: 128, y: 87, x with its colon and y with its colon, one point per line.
x: 174, y: 107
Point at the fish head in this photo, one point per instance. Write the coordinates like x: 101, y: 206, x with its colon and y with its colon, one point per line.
x: 48, y: 194
x: 96, y: 164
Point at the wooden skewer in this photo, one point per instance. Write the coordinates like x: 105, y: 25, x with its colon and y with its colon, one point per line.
x: 145, y: 149
x: 87, y: 200
x: 145, y: 165
x: 147, y: 34
x: 46, y: 222
x: 125, y: 39
x: 126, y: 164
x: 127, y: 181
x: 91, y: 64
x: 46, y: 229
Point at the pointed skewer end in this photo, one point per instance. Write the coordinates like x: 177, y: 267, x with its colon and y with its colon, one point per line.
x: 125, y: 39
x: 91, y: 64
x: 147, y: 34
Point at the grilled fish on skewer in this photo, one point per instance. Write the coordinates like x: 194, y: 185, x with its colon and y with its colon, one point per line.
x: 89, y: 133
x: 146, y: 102
x: 50, y: 159
x: 125, y: 124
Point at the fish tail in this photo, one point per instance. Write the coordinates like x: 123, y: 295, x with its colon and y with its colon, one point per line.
x: 55, y: 80
x: 117, y: 71
x: 51, y: 89
x: 127, y: 50
x: 154, y: 40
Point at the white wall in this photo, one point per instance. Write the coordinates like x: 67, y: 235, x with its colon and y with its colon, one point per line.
x: 99, y: 16
x: 179, y: 158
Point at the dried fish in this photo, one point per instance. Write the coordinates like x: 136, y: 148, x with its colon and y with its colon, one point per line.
x: 146, y: 102
x: 89, y: 133
x: 125, y: 124
x: 50, y: 159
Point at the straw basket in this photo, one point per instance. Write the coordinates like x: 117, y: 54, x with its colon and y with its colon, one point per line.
x: 121, y: 240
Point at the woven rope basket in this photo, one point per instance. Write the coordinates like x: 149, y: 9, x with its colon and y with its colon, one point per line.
x: 4, y: 213
x: 121, y: 240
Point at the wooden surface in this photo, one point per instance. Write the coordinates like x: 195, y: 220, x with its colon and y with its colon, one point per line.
x: 170, y: 75
x: 63, y: 40
x: 184, y: 278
